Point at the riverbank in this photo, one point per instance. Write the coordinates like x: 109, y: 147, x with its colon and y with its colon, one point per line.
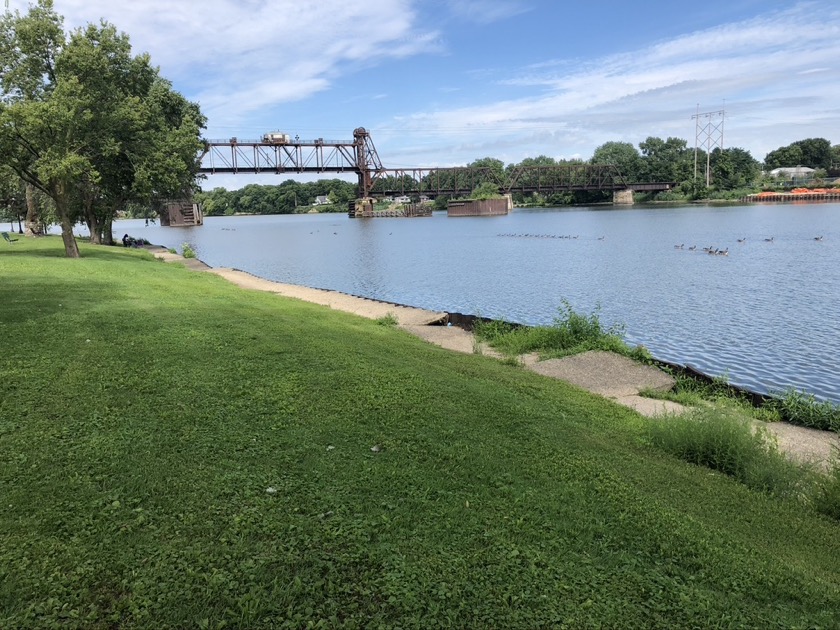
x: 179, y: 452
x: 614, y: 377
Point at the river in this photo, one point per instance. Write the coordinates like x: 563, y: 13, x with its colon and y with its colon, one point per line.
x: 765, y: 316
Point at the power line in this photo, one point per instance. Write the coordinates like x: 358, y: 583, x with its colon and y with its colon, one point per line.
x: 708, y: 135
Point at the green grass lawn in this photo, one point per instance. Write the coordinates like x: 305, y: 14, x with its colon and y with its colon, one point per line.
x: 146, y: 411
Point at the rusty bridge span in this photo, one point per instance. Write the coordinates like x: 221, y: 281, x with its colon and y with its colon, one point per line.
x: 281, y: 154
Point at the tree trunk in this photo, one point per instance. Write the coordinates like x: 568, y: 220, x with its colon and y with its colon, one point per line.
x: 95, y: 228
x: 71, y: 248
x: 108, y: 232
x: 33, y: 218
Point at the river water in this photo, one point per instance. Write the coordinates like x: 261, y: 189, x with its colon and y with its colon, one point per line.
x: 766, y: 316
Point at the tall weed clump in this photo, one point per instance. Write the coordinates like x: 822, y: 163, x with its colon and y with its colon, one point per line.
x: 804, y: 409
x: 827, y: 496
x: 570, y: 333
x: 721, y: 440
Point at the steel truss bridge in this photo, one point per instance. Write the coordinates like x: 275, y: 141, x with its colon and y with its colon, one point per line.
x: 360, y: 157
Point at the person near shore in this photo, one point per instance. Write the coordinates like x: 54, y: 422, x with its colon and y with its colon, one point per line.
x: 126, y: 239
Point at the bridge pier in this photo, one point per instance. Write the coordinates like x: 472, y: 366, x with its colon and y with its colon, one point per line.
x: 623, y: 196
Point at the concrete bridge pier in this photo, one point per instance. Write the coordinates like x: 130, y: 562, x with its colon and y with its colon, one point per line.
x: 623, y: 196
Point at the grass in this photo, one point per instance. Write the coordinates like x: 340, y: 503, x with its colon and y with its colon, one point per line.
x: 145, y: 411
x: 571, y: 333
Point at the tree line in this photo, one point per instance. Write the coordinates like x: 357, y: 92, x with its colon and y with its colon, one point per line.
x: 288, y: 197
x: 87, y: 126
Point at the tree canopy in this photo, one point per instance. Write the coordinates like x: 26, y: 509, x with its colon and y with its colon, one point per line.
x: 814, y: 153
x: 90, y: 125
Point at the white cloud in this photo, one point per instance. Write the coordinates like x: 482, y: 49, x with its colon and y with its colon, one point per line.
x: 238, y: 56
x: 755, y: 65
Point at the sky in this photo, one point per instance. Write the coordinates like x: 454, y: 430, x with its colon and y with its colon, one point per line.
x: 442, y: 83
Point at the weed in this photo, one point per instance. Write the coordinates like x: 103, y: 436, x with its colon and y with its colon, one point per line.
x: 188, y: 250
x: 723, y: 440
x: 389, y: 319
x: 804, y: 409
x: 172, y: 250
x: 570, y: 333
x: 827, y: 497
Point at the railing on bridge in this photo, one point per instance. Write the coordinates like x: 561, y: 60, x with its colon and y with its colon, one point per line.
x: 278, y: 153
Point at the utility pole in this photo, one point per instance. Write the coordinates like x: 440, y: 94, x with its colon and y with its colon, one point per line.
x: 708, y: 135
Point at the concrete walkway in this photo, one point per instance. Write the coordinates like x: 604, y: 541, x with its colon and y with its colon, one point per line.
x: 604, y: 373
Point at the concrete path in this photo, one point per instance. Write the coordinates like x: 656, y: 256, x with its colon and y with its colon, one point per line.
x: 612, y: 376
x: 604, y: 373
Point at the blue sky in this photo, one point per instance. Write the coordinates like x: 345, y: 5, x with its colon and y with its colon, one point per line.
x: 441, y: 83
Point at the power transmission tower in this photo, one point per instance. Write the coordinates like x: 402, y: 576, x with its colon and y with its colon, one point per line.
x: 708, y: 135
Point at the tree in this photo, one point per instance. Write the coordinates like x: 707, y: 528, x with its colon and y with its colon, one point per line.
x: 666, y: 160
x: 814, y: 153
x: 624, y: 156
x: 485, y: 190
x: 733, y: 168
x: 97, y: 128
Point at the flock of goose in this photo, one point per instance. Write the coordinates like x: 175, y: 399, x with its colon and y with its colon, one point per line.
x: 714, y: 251
x: 544, y: 236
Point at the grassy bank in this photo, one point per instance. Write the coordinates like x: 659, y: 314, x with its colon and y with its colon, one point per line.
x: 175, y: 451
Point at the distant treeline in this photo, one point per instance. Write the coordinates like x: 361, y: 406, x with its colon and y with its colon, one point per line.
x: 286, y: 198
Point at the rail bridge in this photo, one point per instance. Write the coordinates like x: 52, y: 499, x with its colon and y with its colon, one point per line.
x: 279, y: 154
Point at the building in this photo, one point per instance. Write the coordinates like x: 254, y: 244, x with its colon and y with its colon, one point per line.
x: 793, y: 172
x: 321, y: 200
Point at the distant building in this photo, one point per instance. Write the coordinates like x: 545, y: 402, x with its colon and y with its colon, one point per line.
x: 321, y: 200
x: 403, y: 199
x: 788, y: 172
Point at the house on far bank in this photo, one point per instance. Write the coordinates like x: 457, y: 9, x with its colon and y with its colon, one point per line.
x: 402, y: 199
x: 793, y: 172
x: 321, y: 200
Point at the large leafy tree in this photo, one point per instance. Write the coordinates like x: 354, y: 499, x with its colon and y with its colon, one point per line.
x: 624, y: 156
x: 666, y: 160
x: 96, y: 128
x: 811, y: 152
x: 733, y: 168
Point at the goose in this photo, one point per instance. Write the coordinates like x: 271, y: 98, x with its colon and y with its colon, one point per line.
x: 818, y: 238
x: 679, y: 246
x: 692, y: 248
x: 742, y: 240
x: 769, y: 240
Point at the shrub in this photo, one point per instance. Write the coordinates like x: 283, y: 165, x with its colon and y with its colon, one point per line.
x: 188, y: 250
